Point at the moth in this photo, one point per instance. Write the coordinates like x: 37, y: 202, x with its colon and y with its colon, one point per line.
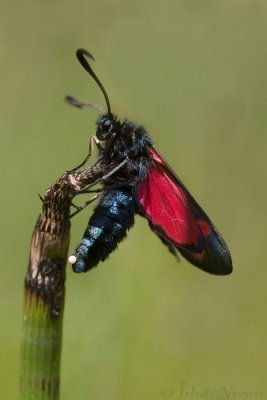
x: 140, y: 181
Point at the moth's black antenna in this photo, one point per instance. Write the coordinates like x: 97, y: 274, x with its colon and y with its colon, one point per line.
x: 81, y: 53
x: 80, y: 104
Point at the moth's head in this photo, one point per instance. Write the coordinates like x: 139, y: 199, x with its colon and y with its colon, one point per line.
x: 106, y: 126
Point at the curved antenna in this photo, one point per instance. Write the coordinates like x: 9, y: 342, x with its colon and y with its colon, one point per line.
x: 81, y: 53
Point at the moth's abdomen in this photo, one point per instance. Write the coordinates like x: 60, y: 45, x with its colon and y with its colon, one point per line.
x: 111, y: 219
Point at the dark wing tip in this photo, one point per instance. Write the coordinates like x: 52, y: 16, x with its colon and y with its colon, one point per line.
x: 213, y: 263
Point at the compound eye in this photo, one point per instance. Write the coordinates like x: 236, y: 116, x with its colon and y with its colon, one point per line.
x: 106, y: 125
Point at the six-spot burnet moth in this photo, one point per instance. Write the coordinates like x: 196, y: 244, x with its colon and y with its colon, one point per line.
x: 141, y: 181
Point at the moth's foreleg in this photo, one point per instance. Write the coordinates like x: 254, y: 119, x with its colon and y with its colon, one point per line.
x: 105, y: 177
x: 93, y: 140
x: 108, y: 144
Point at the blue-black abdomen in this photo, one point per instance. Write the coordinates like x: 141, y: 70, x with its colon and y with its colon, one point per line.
x: 111, y: 219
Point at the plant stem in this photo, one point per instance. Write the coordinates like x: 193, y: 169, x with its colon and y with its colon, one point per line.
x: 44, y: 289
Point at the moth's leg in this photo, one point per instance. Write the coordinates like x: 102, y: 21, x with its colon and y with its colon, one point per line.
x: 80, y: 208
x: 107, y: 188
x: 98, y: 144
x: 105, y: 177
x: 108, y: 144
x: 93, y: 140
x: 90, y: 191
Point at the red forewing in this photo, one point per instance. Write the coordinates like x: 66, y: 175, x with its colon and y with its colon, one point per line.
x: 179, y: 221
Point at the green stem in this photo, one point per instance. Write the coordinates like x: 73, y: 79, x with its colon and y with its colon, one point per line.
x: 42, y: 336
x: 44, y: 289
x: 44, y: 306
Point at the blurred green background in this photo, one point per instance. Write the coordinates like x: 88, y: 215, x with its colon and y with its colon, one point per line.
x: 141, y: 326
